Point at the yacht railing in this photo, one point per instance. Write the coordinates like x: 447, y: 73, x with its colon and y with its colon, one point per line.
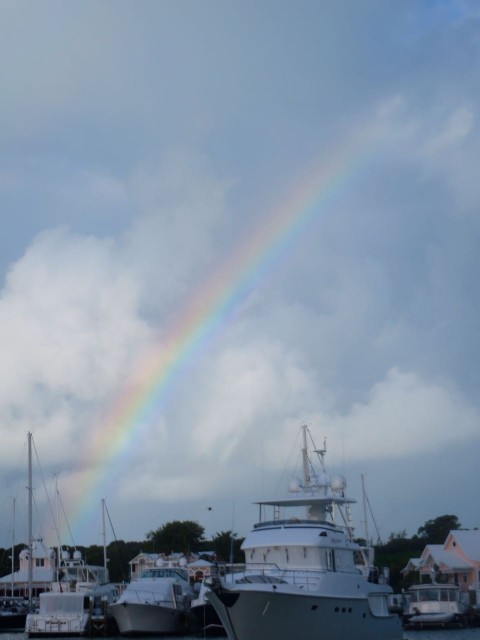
x: 295, y: 522
x: 271, y: 573
x: 146, y: 596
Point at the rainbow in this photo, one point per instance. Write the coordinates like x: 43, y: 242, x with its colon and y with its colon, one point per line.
x: 203, y: 317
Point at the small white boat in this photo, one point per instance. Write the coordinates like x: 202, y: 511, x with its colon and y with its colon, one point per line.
x: 305, y: 577
x: 434, y: 605
x: 156, y: 604
x: 78, y: 603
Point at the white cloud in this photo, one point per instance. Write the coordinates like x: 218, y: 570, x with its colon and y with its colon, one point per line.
x: 403, y: 414
x: 366, y: 327
x: 69, y: 327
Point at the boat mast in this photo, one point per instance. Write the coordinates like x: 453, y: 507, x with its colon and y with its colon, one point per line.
x: 57, y: 504
x: 364, y: 495
x: 13, y: 550
x: 104, y: 535
x: 30, y: 517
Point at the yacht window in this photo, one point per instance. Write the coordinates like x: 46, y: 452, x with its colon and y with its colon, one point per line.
x: 330, y: 560
x: 378, y: 604
x: 344, y: 560
x: 428, y: 594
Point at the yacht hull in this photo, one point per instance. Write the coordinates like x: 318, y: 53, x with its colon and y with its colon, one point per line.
x: 208, y: 620
x: 140, y: 619
x: 261, y: 614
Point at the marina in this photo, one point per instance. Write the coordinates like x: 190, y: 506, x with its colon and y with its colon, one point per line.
x: 302, y: 567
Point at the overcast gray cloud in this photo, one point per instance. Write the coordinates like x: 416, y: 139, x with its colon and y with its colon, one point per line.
x: 142, y: 145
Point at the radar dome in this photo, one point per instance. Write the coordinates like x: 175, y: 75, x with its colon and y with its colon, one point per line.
x: 295, y: 485
x: 65, y: 555
x: 77, y: 555
x: 338, y: 482
x: 321, y: 480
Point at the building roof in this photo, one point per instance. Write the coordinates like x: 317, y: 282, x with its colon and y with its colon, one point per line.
x: 39, y: 575
x: 442, y: 558
x: 412, y: 565
x: 200, y: 563
x: 151, y: 556
x: 469, y: 541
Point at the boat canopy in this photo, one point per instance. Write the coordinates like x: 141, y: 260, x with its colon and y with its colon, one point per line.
x: 306, y: 501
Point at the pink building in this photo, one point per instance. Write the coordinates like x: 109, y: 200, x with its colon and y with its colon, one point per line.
x: 43, y: 571
x: 457, y: 561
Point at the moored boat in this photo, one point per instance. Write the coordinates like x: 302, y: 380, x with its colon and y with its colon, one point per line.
x: 77, y: 604
x: 157, y: 604
x: 305, y: 576
x: 435, y: 605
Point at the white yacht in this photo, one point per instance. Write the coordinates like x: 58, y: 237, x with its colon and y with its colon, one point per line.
x: 305, y: 576
x: 77, y: 603
x: 158, y: 603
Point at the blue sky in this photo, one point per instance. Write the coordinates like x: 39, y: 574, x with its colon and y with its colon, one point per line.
x: 140, y: 143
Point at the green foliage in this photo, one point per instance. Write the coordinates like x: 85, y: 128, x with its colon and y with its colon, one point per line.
x: 6, y: 559
x: 184, y: 536
x: 436, y: 531
x: 226, y: 544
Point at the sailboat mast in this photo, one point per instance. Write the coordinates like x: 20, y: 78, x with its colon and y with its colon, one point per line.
x: 57, y: 504
x: 306, y: 474
x: 104, y: 535
x: 30, y: 517
x: 13, y: 550
x: 365, y: 515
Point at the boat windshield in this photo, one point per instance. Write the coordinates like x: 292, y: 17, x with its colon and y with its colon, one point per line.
x: 83, y: 573
x: 59, y: 604
x: 429, y: 595
x: 165, y: 572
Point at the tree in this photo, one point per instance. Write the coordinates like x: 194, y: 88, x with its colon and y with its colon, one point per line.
x: 185, y: 536
x: 436, y: 531
x: 227, y: 546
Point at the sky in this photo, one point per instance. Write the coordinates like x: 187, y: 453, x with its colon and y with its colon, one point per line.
x: 222, y: 220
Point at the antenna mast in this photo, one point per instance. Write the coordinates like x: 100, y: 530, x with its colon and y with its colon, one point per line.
x: 306, y: 474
